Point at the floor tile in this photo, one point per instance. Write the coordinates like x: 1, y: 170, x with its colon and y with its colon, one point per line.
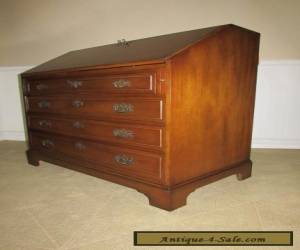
x: 19, y: 230
x: 50, y: 207
x: 62, y: 219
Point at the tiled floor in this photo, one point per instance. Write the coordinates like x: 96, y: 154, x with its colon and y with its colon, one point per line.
x: 55, y: 208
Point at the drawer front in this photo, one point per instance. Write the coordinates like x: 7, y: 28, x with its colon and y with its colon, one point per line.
x: 132, y: 163
x: 142, y: 83
x: 145, y: 109
x: 96, y: 130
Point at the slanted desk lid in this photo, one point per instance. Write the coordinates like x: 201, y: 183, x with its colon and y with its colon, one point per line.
x: 147, y: 49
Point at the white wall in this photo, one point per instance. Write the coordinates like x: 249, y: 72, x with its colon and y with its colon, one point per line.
x: 11, y: 120
x: 277, y: 109
x: 33, y: 32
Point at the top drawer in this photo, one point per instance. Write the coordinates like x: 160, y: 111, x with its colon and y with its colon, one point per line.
x: 134, y: 83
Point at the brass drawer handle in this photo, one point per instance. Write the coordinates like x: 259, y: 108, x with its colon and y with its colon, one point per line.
x: 121, y: 83
x: 124, y: 159
x: 41, y: 86
x: 80, y: 146
x: 44, y: 104
x: 78, y: 124
x: 77, y: 104
x: 47, y: 143
x: 45, y: 123
x: 122, y: 108
x: 74, y: 83
x: 123, y: 133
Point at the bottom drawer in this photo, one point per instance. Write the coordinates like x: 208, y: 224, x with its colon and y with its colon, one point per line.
x: 127, y: 162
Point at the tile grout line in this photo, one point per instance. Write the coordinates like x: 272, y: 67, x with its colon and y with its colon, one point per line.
x: 258, y: 215
x: 21, y: 247
x: 66, y: 245
x: 42, y: 228
x: 91, y: 242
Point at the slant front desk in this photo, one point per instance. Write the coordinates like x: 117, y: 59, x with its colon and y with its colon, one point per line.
x: 163, y: 115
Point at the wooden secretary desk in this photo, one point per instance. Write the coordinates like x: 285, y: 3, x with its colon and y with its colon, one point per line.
x: 163, y: 115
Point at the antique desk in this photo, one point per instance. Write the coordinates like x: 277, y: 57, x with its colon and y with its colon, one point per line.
x: 163, y: 115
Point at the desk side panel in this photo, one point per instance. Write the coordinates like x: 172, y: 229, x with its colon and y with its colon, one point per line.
x: 212, y: 104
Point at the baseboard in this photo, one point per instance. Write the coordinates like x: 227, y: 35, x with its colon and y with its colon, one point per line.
x: 280, y: 63
x: 276, y: 143
x: 12, y: 135
x: 276, y: 116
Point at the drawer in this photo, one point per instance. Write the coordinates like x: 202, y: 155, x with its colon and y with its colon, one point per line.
x: 103, y: 131
x: 132, y: 163
x: 139, y: 83
x: 122, y: 108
